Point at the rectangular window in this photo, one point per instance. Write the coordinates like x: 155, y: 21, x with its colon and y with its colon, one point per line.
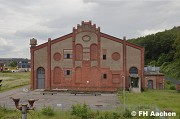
x: 104, y: 76
x: 104, y: 56
x: 67, y: 72
x: 67, y: 54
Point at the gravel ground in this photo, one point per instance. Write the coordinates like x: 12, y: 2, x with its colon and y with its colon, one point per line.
x: 61, y: 100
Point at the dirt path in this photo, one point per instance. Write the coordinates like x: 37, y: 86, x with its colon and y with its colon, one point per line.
x: 62, y: 101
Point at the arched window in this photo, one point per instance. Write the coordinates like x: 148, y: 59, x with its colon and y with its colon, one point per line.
x: 40, y: 78
x: 133, y: 70
x: 40, y: 70
x: 94, y: 52
x: 79, y: 52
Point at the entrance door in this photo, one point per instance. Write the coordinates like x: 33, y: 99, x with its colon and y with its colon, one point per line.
x: 160, y: 86
x: 40, y: 78
x: 134, y: 82
x: 150, y: 84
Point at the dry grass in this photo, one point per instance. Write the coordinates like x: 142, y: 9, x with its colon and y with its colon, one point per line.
x: 14, y: 80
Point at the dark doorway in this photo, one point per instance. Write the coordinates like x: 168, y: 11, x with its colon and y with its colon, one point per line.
x: 150, y: 84
x: 134, y: 82
x: 40, y: 78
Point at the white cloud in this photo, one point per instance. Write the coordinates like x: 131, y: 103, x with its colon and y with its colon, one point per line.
x: 6, y: 46
x: 149, y: 31
x: 23, y: 19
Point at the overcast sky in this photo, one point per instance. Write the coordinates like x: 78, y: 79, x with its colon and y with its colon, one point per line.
x: 21, y: 20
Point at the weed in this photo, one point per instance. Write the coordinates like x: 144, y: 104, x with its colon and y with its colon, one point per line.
x: 172, y: 88
x: 127, y: 114
x: 48, y: 111
x: 82, y: 111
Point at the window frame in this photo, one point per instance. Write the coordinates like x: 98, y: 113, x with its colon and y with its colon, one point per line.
x: 104, y: 57
x: 67, y: 72
x: 67, y: 54
x: 104, y: 76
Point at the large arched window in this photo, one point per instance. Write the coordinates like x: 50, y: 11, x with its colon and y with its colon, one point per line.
x: 133, y: 70
x: 94, y: 52
x: 79, y: 52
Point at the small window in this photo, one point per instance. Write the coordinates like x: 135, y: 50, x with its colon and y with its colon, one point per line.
x: 67, y: 72
x: 67, y: 56
x: 104, y: 57
x: 104, y: 76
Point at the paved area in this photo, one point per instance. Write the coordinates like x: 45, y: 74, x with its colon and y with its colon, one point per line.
x: 61, y: 100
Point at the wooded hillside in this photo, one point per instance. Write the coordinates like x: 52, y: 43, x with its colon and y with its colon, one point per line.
x: 162, y: 49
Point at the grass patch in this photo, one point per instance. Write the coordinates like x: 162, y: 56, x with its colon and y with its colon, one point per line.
x: 14, y: 80
x: 153, y: 100
x: 6, y: 113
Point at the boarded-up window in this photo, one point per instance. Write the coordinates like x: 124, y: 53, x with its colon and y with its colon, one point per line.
x: 57, y: 75
x: 78, y: 75
x: 79, y: 52
x: 94, y: 52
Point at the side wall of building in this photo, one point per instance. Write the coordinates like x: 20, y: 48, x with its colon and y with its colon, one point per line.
x: 59, y: 63
x: 158, y: 81
x: 96, y: 61
x: 40, y: 60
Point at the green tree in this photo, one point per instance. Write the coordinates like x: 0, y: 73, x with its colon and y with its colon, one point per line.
x: 13, y: 64
x: 162, y: 49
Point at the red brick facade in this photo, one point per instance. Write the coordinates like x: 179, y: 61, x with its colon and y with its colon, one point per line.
x: 86, y: 59
x: 154, y: 81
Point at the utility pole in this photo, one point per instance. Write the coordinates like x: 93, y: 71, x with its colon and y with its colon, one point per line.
x: 124, y: 92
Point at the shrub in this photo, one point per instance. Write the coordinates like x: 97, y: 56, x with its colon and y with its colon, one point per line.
x: 48, y: 111
x: 108, y: 115
x: 6, y: 71
x: 172, y: 88
x: 127, y: 114
x: 168, y: 82
x: 115, y: 115
x: 82, y: 111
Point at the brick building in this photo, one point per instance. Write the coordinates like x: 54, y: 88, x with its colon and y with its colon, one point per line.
x: 153, y: 78
x: 86, y: 59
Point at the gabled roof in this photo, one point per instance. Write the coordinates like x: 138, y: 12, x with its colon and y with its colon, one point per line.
x: 88, y: 27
